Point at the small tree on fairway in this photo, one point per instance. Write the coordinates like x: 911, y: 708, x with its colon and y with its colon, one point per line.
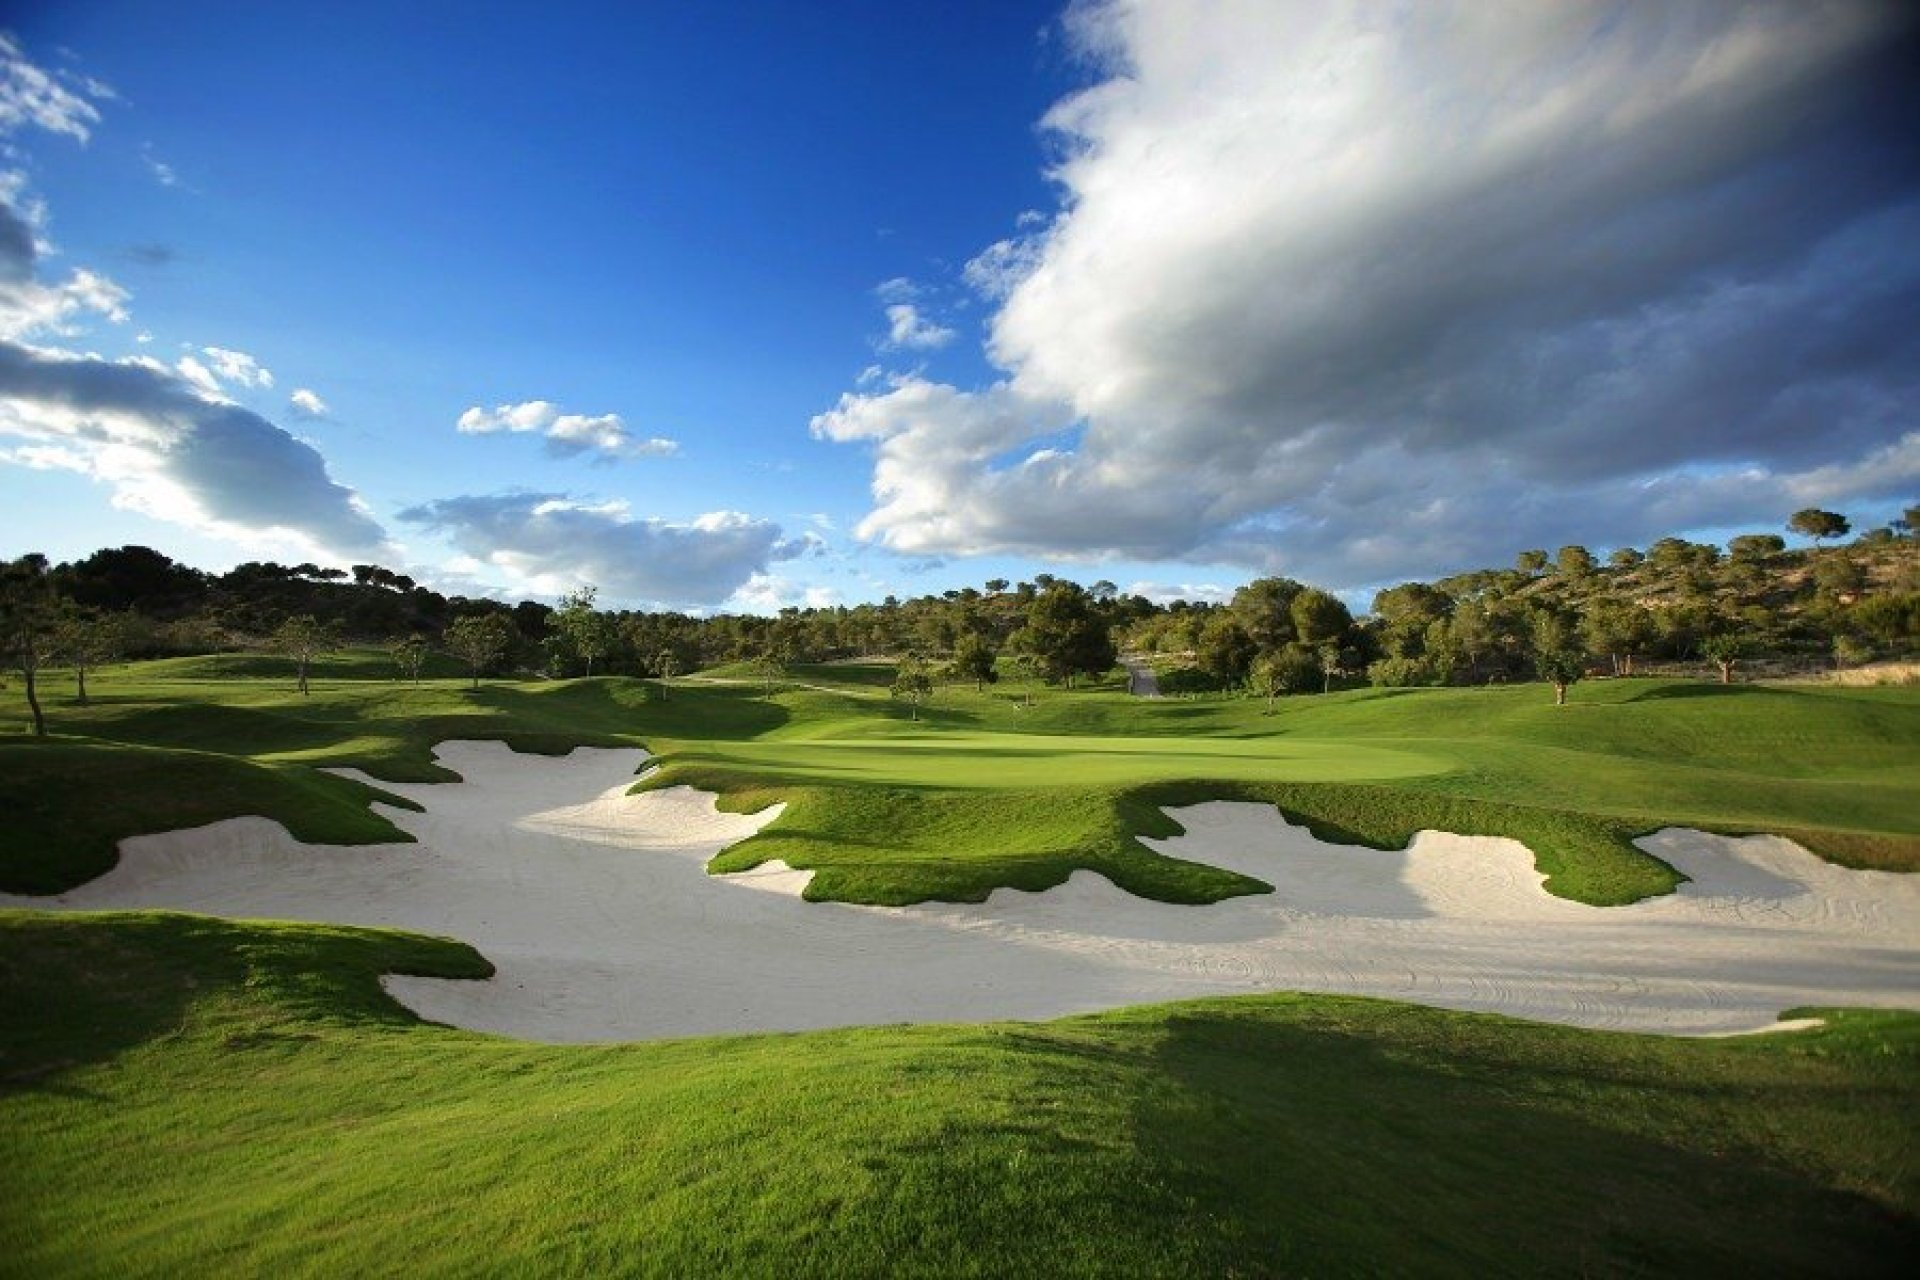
x: 29, y: 615
x: 1723, y: 649
x: 973, y: 660
x: 913, y: 682
x: 85, y: 638
x: 480, y: 640
x: 771, y: 668
x: 668, y: 664
x: 1332, y: 663
x: 1265, y: 679
x: 410, y: 655
x: 1556, y: 656
x: 303, y: 639
x: 1819, y: 525
x: 1560, y: 668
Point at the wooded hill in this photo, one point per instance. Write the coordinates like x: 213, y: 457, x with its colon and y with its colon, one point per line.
x: 1569, y: 613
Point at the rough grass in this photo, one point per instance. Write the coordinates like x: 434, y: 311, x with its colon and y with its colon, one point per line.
x: 183, y: 1095
x: 1015, y: 786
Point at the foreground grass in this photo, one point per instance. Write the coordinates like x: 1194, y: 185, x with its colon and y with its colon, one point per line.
x: 1015, y: 786
x: 183, y: 1095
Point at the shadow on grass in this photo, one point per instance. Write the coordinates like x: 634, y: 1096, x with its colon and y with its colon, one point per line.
x: 1706, y: 689
x: 83, y: 988
x: 1319, y: 1147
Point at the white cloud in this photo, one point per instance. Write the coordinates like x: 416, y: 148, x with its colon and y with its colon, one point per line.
x: 566, y: 434
x: 907, y: 328
x: 308, y: 404
x: 551, y: 543
x: 168, y: 451
x: 200, y: 377
x: 534, y: 415
x: 163, y: 173
x: 766, y: 593
x: 30, y: 96
x: 1352, y: 290
x: 238, y: 367
x: 1164, y: 593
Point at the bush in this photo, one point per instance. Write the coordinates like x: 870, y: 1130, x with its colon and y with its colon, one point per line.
x: 1401, y: 673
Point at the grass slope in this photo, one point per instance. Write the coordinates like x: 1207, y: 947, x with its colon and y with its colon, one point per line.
x: 184, y: 1095
x: 1010, y: 787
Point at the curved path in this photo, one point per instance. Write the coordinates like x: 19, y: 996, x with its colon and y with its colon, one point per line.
x: 596, y: 909
x: 1141, y: 681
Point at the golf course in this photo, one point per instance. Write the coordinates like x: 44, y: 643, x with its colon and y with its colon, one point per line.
x: 185, y: 1091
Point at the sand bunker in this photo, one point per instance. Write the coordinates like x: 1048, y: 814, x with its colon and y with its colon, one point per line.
x: 595, y: 907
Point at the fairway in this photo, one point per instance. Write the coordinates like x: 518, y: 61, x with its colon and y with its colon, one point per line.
x: 973, y: 761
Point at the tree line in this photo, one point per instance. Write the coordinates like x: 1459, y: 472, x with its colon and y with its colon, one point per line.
x: 1554, y: 617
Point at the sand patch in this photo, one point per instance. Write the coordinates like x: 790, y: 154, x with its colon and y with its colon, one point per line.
x: 596, y: 909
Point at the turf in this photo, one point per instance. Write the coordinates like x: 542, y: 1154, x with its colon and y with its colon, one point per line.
x: 1017, y: 786
x: 183, y: 1095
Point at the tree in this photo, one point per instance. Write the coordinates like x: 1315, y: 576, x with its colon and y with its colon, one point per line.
x: 1625, y: 557
x: 1724, y: 649
x: 1819, y: 525
x: 770, y: 668
x: 480, y: 640
x: 410, y: 655
x: 913, y: 682
x: 29, y: 616
x: 584, y: 630
x: 668, y: 664
x: 1319, y: 618
x: 1618, y: 629
x: 1264, y: 609
x: 1265, y: 679
x: 1575, y: 561
x: 1560, y: 668
x: 1333, y: 660
x: 1751, y: 548
x: 303, y: 639
x: 973, y: 659
x: 1065, y: 635
x: 1556, y: 656
x: 1531, y: 562
x: 85, y: 638
x: 1224, y: 650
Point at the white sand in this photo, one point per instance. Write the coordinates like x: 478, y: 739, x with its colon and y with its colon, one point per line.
x: 596, y: 910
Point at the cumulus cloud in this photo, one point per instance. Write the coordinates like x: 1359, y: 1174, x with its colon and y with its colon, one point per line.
x: 767, y: 593
x: 238, y: 367
x: 1164, y: 593
x: 33, y: 97
x: 308, y: 404
x: 1356, y: 291
x: 29, y: 307
x: 170, y: 452
x: 909, y: 330
x: 550, y: 543
x: 567, y: 434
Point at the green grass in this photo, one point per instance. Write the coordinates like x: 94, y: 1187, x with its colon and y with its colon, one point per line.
x: 1014, y: 786
x: 185, y: 1095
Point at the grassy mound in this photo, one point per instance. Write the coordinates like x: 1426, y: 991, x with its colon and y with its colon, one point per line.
x: 179, y: 1094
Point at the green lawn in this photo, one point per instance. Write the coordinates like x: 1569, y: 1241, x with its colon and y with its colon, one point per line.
x: 180, y: 1095
x: 187, y: 1095
x: 1014, y: 786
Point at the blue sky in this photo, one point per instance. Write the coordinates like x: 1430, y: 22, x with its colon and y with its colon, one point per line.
x: 747, y: 305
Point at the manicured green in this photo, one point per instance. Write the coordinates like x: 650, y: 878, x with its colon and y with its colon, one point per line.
x: 1018, y: 785
x: 180, y: 1095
